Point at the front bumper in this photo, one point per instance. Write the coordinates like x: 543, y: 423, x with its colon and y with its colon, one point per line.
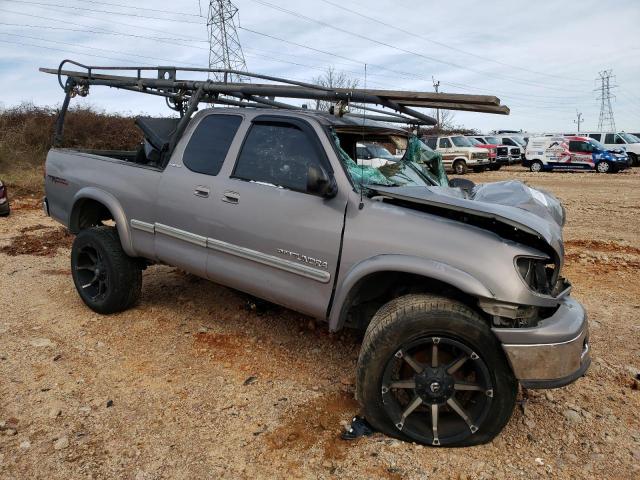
x: 553, y: 354
x: 504, y: 160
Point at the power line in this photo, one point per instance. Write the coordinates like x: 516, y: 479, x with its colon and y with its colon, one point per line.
x: 95, y: 48
x: 57, y: 5
x: 68, y: 22
x: 168, y: 40
x: 399, y: 72
x: 442, y: 44
x: 172, y: 12
x: 400, y: 49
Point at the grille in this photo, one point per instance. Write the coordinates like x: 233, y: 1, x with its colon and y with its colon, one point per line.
x: 515, y: 152
x: 503, y: 151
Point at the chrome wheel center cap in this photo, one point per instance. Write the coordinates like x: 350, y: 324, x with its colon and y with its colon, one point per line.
x: 434, y: 387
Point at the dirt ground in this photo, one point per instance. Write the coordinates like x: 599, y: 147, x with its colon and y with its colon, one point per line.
x: 193, y: 384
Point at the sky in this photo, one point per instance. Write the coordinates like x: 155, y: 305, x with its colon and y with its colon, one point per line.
x: 540, y: 58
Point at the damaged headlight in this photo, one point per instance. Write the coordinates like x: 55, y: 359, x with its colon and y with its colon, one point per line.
x: 538, y: 273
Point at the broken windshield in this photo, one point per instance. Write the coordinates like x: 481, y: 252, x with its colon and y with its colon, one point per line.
x: 420, y: 167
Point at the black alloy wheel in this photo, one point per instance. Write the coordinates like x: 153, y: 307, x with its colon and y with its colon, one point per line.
x: 437, y: 390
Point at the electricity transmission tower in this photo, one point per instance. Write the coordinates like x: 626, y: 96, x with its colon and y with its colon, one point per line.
x: 224, y: 45
x: 606, y: 121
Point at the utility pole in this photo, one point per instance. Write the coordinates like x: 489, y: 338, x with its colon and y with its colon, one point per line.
x: 436, y: 86
x: 578, y: 119
x: 605, y: 121
x: 224, y: 45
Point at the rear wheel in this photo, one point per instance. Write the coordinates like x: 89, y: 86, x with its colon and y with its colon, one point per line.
x: 603, y: 167
x: 431, y: 371
x: 633, y: 159
x: 536, y: 166
x: 107, y: 280
x: 460, y: 167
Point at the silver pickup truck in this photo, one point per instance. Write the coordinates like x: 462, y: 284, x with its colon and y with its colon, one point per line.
x: 458, y: 289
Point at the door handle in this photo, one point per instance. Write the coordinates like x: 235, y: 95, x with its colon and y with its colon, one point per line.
x: 201, y: 191
x: 231, y: 197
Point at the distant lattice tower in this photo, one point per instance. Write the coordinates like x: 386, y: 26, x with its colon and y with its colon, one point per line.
x: 224, y: 45
x: 606, y: 121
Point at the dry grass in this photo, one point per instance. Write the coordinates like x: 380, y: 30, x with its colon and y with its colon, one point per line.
x: 26, y: 132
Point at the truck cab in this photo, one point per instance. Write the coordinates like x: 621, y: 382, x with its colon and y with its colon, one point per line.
x: 459, y: 154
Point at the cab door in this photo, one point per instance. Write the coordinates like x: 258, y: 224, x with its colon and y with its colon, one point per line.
x: 581, y: 154
x: 278, y: 241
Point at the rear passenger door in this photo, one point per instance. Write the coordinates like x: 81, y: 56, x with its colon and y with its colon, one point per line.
x: 186, y: 211
x: 279, y: 242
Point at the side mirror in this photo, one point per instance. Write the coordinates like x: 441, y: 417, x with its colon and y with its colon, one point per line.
x: 319, y: 182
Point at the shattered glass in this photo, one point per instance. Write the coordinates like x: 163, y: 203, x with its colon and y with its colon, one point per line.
x: 430, y: 161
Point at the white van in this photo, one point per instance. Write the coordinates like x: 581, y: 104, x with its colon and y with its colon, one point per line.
x: 617, y: 140
x: 572, y: 153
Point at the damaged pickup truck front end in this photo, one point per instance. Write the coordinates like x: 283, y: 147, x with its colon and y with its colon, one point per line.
x: 543, y: 331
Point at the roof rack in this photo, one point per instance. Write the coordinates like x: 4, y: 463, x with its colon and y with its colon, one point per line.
x: 184, y: 95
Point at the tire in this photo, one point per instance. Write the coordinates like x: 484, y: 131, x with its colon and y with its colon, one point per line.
x: 634, y: 159
x: 405, y: 322
x: 459, y: 167
x: 495, y: 168
x: 107, y: 280
x: 603, y: 167
x: 536, y: 166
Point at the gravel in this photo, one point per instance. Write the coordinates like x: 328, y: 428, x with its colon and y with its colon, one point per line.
x: 174, y: 367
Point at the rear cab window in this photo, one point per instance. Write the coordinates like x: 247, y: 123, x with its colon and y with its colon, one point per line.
x: 210, y: 142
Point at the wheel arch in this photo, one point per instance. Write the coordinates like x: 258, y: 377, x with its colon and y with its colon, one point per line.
x: 91, y: 206
x: 380, y: 278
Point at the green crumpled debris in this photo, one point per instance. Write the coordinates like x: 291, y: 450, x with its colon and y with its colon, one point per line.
x: 360, y: 174
x: 428, y: 160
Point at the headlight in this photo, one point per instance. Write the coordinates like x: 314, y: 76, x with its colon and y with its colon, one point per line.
x: 538, y: 273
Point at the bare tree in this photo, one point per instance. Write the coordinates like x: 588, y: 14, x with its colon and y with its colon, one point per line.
x: 446, y: 119
x: 335, y: 79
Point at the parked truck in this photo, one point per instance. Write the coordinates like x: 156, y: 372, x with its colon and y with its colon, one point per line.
x: 271, y: 201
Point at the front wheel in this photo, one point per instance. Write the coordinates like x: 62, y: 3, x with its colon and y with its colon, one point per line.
x: 603, y: 167
x: 107, y: 280
x: 495, y: 168
x: 431, y: 371
x: 536, y: 166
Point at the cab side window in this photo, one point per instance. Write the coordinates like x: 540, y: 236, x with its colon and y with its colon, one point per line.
x: 620, y: 140
x: 208, y: 146
x: 595, y: 136
x: 609, y: 138
x: 432, y: 143
x: 577, y: 146
x: 279, y: 154
x: 444, y: 143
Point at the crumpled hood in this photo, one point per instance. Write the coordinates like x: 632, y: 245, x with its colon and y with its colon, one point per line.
x: 511, y: 202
